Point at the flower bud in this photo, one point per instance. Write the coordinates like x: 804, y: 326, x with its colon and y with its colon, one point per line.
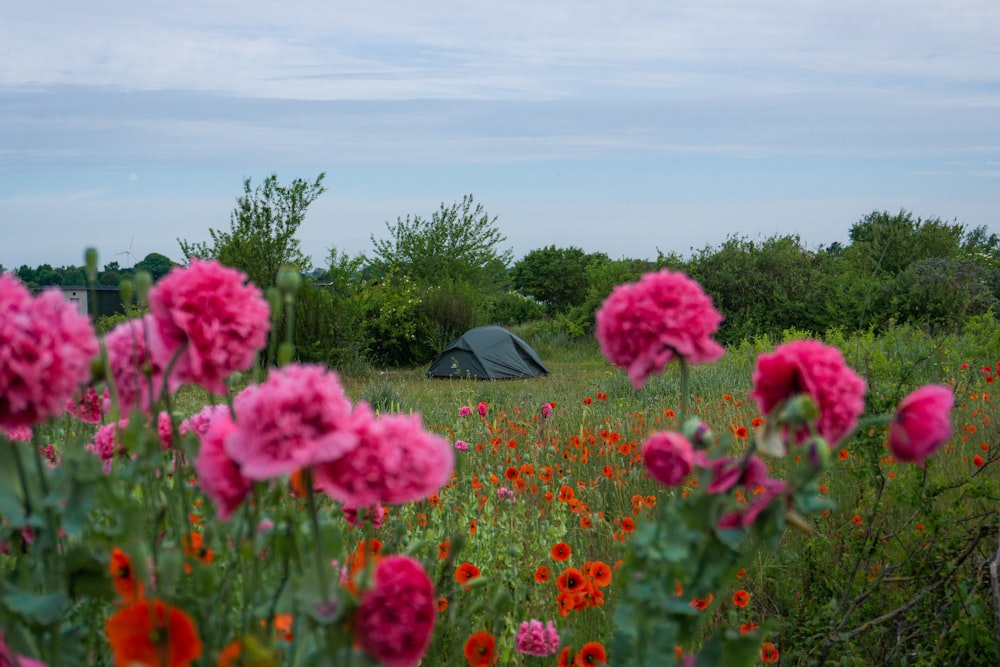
x: 126, y: 290
x: 800, y: 409
x: 90, y: 264
x: 698, y: 432
x: 819, y: 452
x: 286, y: 352
x: 289, y: 280
x: 143, y: 283
x: 273, y: 297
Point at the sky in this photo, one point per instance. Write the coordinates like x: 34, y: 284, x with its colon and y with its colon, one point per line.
x: 628, y: 127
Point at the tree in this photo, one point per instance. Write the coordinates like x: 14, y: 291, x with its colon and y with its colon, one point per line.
x: 262, y: 230
x: 458, y: 244
x: 155, y: 264
x: 555, y: 276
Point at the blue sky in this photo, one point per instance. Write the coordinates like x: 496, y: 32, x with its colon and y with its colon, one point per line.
x: 625, y: 127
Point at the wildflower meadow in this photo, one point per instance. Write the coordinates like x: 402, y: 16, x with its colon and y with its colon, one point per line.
x: 180, y: 491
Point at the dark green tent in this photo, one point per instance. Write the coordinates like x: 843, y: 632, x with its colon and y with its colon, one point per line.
x: 487, y: 353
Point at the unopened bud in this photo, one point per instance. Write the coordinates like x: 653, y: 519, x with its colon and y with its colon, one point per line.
x: 289, y: 280
x: 800, y: 409
x: 273, y: 297
x: 286, y: 352
x: 126, y: 290
x: 698, y: 433
x: 819, y: 452
x: 143, y: 283
x: 90, y: 264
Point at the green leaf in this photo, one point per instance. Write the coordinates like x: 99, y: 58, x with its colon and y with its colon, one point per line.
x: 44, y: 609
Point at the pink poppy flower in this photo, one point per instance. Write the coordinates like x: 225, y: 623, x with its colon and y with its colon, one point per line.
x: 464, y: 411
x: 668, y: 456
x: 137, y: 376
x: 395, y: 617
x: 921, y: 424
x: 297, y: 418
x: 89, y: 406
x: 819, y: 370
x: 45, y: 353
x: 213, y: 320
x: 643, y: 326
x: 483, y: 409
x: 7, y: 657
x: 199, y: 422
x: 534, y: 638
x: 219, y: 476
x: 395, y: 462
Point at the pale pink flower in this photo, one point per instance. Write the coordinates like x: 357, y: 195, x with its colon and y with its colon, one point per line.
x: 921, y: 424
x: 819, y: 370
x: 643, y: 326
x: 45, y: 351
x: 669, y: 457
x: 395, y: 617
x: 215, y: 321
x: 395, y: 462
x: 219, y: 477
x: 296, y: 418
x: 461, y: 445
x: 199, y: 422
x: 137, y: 376
x: 534, y: 638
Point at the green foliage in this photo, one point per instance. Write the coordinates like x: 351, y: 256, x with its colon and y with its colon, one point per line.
x: 554, y: 276
x: 509, y: 308
x: 457, y: 244
x: 155, y: 264
x: 602, y: 277
x: 942, y: 292
x: 446, y: 311
x: 262, y: 230
x: 329, y: 328
x: 392, y: 323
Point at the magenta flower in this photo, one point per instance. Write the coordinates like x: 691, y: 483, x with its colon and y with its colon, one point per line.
x: 89, y: 406
x: 45, y: 352
x: 643, y: 326
x: 819, y: 370
x: 483, y: 409
x: 668, y: 456
x: 773, y: 488
x: 464, y: 411
x: 138, y: 378
x: 219, y: 477
x: 395, y: 462
x: 296, y: 418
x: 216, y: 323
x: 536, y: 639
x: 921, y: 424
x: 546, y: 410
x: 395, y: 617
x: 21, y: 433
x: 354, y: 517
x: 461, y: 445
x: 7, y: 657
x: 729, y: 471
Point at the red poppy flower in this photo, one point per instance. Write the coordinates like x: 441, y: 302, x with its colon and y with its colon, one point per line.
x: 465, y: 573
x: 977, y: 461
x: 588, y: 400
x: 150, y: 632
x: 512, y: 473
x: 442, y: 605
x: 701, y: 604
x: 768, y: 652
x: 592, y: 653
x: 741, y: 598
x: 542, y: 574
x: 480, y: 649
x: 570, y: 580
x: 628, y: 524
x: 601, y: 573
x: 565, y: 658
x: 560, y: 552
x: 129, y: 589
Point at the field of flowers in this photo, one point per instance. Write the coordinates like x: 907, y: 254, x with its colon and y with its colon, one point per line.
x: 170, y: 505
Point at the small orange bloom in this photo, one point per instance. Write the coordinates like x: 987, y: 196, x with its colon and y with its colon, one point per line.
x: 150, y: 632
x: 442, y: 605
x: 129, y: 589
x: 741, y: 598
x: 591, y: 653
x: 193, y: 548
x: 560, y: 552
x: 512, y: 473
x: 977, y: 461
x: 465, y: 573
x: 421, y: 519
x: 480, y: 649
x: 701, y: 604
x: 542, y: 574
x: 585, y: 521
x: 650, y: 501
x: 628, y: 524
x: 443, y: 549
x: 768, y: 652
x: 566, y: 493
x: 565, y: 658
x: 545, y: 474
x: 472, y: 527
x: 747, y: 628
x: 740, y: 573
x: 601, y: 572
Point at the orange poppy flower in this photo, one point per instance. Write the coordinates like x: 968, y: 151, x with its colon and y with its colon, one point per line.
x: 585, y: 521
x: 129, y: 589
x: 542, y: 574
x: 527, y: 470
x: 193, y: 548
x: 357, y: 561
x: 592, y: 653
x: 150, y: 632
x: 650, y: 501
x: 472, y: 527
x: 283, y: 627
x: 628, y: 524
x: 741, y: 598
x: 298, y: 484
x: 701, y: 604
x: 608, y: 471
x: 545, y: 474
x: 570, y: 580
x: 442, y: 605
x: 549, y: 496
x: 601, y: 573
x: 565, y: 658
x: 421, y: 519
x: 565, y: 493
x: 768, y: 652
x: 231, y: 655
x: 747, y: 628
x: 443, y: 550
x: 465, y: 573
x: 512, y: 473
x: 480, y: 649
x: 560, y: 552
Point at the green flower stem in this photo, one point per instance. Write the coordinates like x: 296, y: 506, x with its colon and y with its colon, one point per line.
x: 685, y: 391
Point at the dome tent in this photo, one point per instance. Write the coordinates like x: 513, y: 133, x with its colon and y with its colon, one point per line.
x: 487, y: 353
